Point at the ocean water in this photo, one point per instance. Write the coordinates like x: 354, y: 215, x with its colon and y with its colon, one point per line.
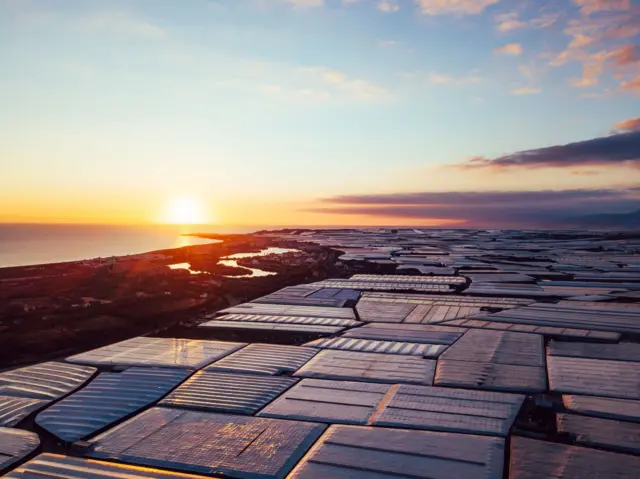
x: 26, y: 244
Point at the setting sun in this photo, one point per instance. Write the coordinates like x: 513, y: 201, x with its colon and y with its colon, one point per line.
x: 184, y: 211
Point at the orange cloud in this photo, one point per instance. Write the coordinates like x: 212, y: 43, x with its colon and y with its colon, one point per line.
x: 583, y: 82
x: 590, y: 75
x: 507, y: 22
x: 631, y: 85
x: 632, y: 124
x: 509, y: 49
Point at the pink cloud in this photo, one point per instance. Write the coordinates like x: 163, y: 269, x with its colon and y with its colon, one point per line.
x: 509, y: 49
x: 580, y: 40
x: 628, y: 26
x: 631, y: 85
x: 487, y: 207
x: 594, y: 41
x: 510, y: 21
x: 587, y: 7
x: 625, y: 55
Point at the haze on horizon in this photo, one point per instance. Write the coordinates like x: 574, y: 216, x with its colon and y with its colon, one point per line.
x: 318, y: 112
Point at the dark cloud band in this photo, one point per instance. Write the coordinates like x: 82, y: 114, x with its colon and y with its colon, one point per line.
x: 515, y: 208
x: 618, y: 149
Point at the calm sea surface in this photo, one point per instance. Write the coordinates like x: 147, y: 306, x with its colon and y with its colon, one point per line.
x: 22, y: 244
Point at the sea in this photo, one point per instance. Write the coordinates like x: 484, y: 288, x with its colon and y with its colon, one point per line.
x: 28, y: 244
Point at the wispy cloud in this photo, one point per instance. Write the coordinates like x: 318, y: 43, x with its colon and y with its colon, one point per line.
x: 614, y: 150
x: 509, y: 49
x: 631, y: 85
x: 587, y: 7
x: 527, y: 90
x: 356, y: 87
x: 510, y: 21
x: 28, y: 12
x: 301, y: 86
x: 306, y: 3
x: 476, y: 197
x: 453, y: 7
x: 113, y: 22
x: 585, y: 173
x: 583, y: 82
x: 590, y: 75
x: 506, y: 22
x: 527, y: 71
x: 442, y: 79
x: 421, y: 78
x: 530, y: 87
x: 595, y: 37
x: 388, y: 6
x: 625, y: 55
x: 121, y: 23
x: 597, y: 95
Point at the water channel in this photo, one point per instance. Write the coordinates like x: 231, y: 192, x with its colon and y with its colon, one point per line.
x: 232, y: 260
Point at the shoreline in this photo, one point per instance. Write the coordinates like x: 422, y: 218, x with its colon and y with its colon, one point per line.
x: 36, y: 245
x: 56, y: 309
x: 213, y: 239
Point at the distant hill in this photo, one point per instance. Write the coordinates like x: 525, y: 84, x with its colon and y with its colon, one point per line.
x: 622, y: 221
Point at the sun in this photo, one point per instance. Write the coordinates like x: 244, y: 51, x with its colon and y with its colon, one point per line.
x: 184, y: 211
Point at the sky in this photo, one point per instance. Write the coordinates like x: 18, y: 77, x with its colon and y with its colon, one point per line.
x: 318, y: 112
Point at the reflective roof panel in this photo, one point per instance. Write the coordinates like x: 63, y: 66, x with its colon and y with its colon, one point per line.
x: 366, y: 452
x: 15, y: 445
x: 50, y: 380
x: 107, y: 399
x: 53, y: 466
x: 162, y: 352
x: 209, y: 443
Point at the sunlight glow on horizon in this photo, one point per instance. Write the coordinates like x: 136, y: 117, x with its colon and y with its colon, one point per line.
x: 185, y: 211
x: 272, y: 113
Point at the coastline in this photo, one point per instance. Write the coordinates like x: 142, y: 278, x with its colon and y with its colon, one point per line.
x: 27, y: 245
x: 51, y: 310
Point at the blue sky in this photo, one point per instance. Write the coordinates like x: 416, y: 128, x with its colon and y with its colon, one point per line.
x: 273, y: 105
